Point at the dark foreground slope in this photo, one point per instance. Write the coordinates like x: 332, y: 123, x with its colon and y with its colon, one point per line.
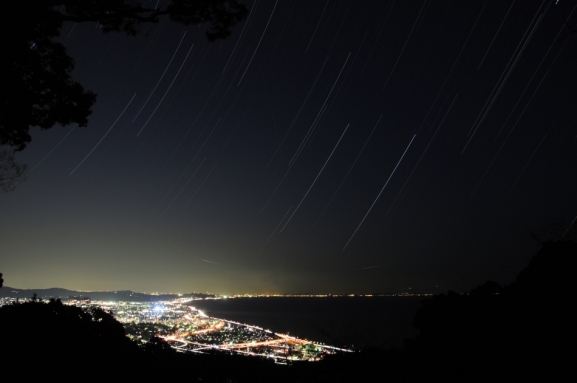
x: 524, y: 331
x: 50, y: 339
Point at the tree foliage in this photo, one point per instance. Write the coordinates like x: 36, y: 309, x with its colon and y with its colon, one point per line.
x: 519, y: 331
x: 128, y: 15
x: 61, y: 330
x: 67, y: 343
x: 555, y: 229
x: 41, y: 91
x: 37, y: 86
x: 11, y: 172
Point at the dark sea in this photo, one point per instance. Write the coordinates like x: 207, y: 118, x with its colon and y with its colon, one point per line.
x: 340, y: 321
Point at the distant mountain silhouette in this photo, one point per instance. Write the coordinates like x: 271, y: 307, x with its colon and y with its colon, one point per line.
x: 521, y: 332
x: 119, y: 295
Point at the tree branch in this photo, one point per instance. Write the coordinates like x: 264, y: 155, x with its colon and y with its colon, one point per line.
x: 116, y: 16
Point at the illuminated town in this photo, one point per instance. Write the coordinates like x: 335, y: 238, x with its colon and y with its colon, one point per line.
x: 188, y: 329
x: 173, y: 318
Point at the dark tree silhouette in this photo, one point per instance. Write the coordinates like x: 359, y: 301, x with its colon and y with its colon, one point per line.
x: 549, y: 273
x: 37, y: 87
x: 556, y: 229
x: 1, y: 280
x: 52, y: 330
x: 518, y: 331
x: 157, y: 346
x: 11, y: 172
x: 63, y: 341
x: 128, y: 15
x: 52, y: 334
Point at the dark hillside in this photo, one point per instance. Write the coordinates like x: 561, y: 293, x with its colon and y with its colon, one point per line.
x: 523, y: 331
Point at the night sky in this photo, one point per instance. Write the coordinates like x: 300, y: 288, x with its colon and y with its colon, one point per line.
x: 324, y: 147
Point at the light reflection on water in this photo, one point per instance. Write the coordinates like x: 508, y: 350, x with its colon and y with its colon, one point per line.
x: 340, y: 321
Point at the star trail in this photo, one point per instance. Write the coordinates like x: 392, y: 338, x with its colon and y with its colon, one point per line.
x: 321, y: 138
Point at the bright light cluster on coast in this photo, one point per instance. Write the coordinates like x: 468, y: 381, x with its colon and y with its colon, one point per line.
x: 188, y: 329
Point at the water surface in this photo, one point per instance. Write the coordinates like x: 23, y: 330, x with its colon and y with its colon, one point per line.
x: 340, y: 321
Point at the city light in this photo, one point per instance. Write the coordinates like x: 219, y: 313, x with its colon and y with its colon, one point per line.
x: 188, y: 329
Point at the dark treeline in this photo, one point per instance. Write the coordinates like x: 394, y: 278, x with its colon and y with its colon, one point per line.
x: 520, y: 331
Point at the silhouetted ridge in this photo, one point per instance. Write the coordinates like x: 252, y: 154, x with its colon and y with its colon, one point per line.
x: 118, y: 295
x: 524, y: 331
x: 516, y: 332
x: 550, y: 272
